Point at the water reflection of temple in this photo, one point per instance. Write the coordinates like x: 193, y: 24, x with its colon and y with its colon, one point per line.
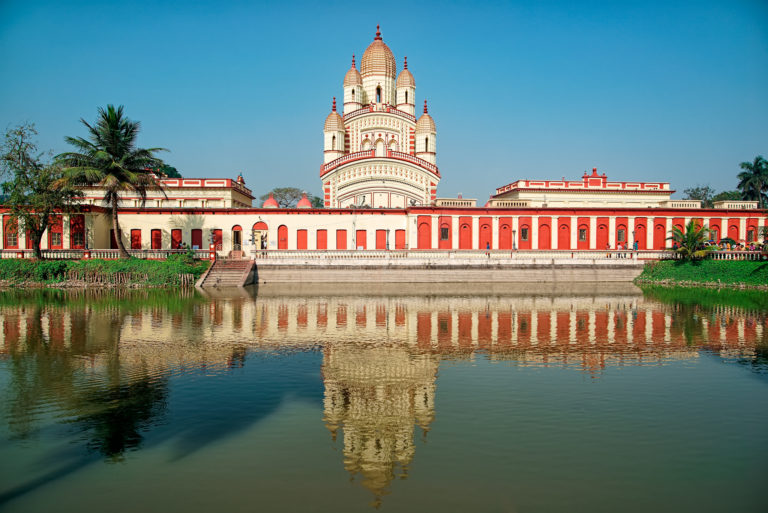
x: 590, y: 331
x: 381, y: 352
x: 377, y: 395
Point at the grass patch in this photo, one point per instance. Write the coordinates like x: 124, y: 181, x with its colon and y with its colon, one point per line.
x: 726, y: 272
x: 129, y: 271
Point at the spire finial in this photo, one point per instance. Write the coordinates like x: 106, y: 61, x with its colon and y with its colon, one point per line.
x: 405, y: 64
x: 353, y: 60
x: 378, y: 33
x: 334, y: 104
x: 425, y: 106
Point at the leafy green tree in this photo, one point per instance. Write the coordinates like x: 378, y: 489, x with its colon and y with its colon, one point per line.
x: 35, y: 192
x: 110, y: 160
x: 704, y: 193
x: 168, y: 171
x: 288, y: 197
x: 753, y: 181
x: 691, y: 242
x: 726, y: 196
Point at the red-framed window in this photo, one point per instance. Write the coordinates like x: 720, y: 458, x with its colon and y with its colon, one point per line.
x: 176, y: 238
x: 10, y: 233
x: 197, y: 238
x: 55, y: 234
x: 77, y: 231
x: 156, y: 237
x: 136, y: 238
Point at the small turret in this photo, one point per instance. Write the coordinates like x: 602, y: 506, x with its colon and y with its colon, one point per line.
x: 333, y: 135
x: 426, y: 137
x: 353, y: 89
x: 406, y: 90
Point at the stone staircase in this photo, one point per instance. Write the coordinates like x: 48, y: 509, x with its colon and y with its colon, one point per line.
x: 226, y: 273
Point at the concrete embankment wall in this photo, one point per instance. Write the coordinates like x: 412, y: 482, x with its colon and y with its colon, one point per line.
x: 538, y: 273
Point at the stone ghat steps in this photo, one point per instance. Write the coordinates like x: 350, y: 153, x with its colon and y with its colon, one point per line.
x: 516, y: 275
x: 227, y: 273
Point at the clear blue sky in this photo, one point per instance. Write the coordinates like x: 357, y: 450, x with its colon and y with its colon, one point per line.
x: 643, y: 90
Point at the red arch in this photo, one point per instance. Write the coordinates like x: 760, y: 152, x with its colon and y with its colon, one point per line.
x: 505, y: 233
x: 465, y: 235
x: 564, y: 233
x: 260, y: 226
x: 485, y: 233
x: 602, y: 236
x: 640, y: 236
x: 545, y: 233
x: 660, y: 234
x: 425, y: 235
x: 733, y: 232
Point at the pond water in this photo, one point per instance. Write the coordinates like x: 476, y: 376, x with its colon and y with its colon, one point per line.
x: 481, y: 398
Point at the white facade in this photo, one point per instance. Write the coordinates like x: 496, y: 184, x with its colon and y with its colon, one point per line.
x: 378, y: 154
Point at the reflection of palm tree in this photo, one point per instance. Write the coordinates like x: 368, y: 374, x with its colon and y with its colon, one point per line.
x: 115, y: 417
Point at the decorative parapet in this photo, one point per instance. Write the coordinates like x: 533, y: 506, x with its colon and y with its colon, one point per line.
x: 680, y: 204
x: 365, y: 154
x: 455, y: 202
x: 500, y: 203
x: 736, y: 205
x: 382, y: 107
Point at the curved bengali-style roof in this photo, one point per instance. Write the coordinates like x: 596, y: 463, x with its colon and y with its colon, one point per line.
x: 304, y: 201
x: 270, y: 202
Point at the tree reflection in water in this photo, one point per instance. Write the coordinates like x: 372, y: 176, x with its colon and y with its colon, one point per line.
x: 107, y: 363
x: 113, y: 419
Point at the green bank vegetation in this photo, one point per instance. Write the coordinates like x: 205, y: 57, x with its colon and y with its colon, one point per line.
x: 127, y: 272
x: 715, y: 272
x: 708, y: 298
x: 124, y: 299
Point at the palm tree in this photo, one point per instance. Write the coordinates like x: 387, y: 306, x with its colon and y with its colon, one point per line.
x: 753, y: 181
x: 691, y: 241
x: 110, y: 160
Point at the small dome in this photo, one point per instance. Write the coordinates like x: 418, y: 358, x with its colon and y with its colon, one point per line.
x: 425, y: 122
x: 334, y: 122
x: 405, y: 78
x: 270, y: 202
x: 353, y: 78
x: 304, y: 201
x: 378, y: 59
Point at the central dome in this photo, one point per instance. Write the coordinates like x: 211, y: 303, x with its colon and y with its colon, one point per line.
x: 378, y: 59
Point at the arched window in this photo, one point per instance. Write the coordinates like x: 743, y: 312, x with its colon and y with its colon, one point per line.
x: 426, y: 144
x: 366, y: 144
x: 353, y: 95
x: 333, y: 143
x: 378, y: 95
x: 406, y: 97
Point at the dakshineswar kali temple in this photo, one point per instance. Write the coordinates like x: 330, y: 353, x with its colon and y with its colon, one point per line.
x: 379, y: 179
